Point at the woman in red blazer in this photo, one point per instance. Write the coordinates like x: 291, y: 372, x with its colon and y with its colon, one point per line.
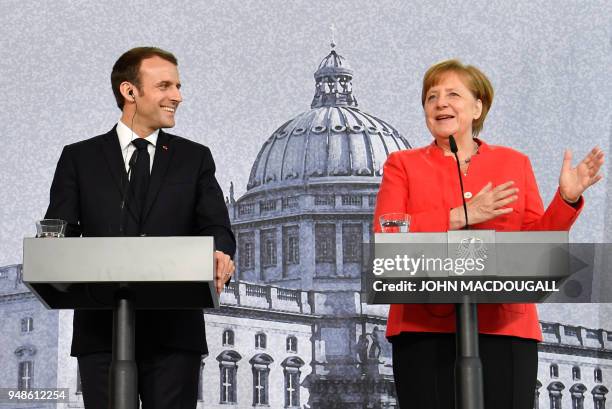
x: 502, y: 194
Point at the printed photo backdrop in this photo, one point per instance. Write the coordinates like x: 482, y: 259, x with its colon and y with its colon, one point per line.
x: 246, y: 68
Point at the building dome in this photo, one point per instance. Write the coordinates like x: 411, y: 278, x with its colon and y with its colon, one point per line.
x: 333, y: 139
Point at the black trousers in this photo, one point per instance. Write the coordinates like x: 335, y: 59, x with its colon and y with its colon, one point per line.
x: 167, y: 379
x: 424, y: 364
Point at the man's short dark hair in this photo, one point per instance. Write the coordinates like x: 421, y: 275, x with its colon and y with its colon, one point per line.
x: 127, y: 68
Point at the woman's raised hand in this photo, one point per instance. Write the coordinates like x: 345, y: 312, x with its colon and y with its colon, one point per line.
x: 574, y: 181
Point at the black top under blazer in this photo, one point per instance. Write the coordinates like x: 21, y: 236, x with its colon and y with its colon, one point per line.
x: 184, y: 199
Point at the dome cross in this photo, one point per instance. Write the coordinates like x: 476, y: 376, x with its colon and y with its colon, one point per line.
x: 333, y: 35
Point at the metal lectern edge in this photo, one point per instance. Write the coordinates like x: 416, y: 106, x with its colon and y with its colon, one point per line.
x: 89, y: 261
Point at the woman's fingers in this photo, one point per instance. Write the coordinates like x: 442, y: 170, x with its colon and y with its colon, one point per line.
x: 593, y: 162
x: 488, y: 188
x: 596, y: 161
x: 490, y: 202
x: 503, y: 186
x: 595, y: 179
x: 506, y: 201
x: 505, y: 193
x: 566, y: 166
x: 503, y: 211
x: 485, y: 189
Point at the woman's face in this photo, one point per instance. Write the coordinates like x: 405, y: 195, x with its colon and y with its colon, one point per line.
x: 450, y: 108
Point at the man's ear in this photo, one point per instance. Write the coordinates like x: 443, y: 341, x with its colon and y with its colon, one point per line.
x: 127, y: 90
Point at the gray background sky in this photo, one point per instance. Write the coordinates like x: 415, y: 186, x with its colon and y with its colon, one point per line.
x: 247, y: 67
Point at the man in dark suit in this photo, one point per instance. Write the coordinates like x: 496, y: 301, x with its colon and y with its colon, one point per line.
x: 139, y: 180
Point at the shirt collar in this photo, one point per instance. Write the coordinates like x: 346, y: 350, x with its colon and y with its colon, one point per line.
x: 126, y: 135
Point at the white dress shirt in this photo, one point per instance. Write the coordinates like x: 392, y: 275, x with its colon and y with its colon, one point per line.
x: 127, y: 148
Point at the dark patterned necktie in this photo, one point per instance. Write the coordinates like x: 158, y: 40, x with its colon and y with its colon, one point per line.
x: 139, y: 181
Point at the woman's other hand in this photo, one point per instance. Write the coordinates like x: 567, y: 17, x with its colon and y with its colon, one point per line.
x: 486, y: 205
x: 574, y: 181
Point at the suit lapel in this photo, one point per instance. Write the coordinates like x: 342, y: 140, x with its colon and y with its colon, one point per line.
x: 161, y: 161
x: 116, y: 166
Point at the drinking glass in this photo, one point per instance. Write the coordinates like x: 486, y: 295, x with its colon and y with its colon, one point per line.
x: 50, y: 228
x: 395, y: 223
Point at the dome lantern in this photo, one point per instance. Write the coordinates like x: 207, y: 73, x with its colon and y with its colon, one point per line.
x: 333, y: 82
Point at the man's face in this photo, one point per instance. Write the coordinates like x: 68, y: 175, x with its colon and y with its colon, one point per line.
x: 159, y: 95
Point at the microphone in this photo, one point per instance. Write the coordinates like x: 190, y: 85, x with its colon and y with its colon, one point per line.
x: 454, y: 149
x: 131, y: 164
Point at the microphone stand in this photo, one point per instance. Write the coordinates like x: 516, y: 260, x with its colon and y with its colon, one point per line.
x: 468, y: 367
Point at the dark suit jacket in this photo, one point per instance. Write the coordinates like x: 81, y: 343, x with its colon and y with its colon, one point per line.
x: 184, y: 199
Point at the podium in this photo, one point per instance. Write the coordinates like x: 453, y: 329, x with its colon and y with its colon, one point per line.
x: 122, y: 274
x: 508, y: 260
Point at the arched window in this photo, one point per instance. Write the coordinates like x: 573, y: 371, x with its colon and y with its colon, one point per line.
x: 292, y: 345
x: 260, y: 364
x: 25, y: 369
x: 576, y: 373
x: 597, y: 375
x: 27, y: 324
x: 291, y: 371
x: 555, y: 393
x: 536, y: 404
x: 260, y: 340
x: 25, y: 375
x: 228, y: 368
x: 228, y: 338
x: 554, y: 370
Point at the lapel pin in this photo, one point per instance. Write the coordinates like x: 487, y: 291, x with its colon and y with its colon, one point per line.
x: 165, y: 147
